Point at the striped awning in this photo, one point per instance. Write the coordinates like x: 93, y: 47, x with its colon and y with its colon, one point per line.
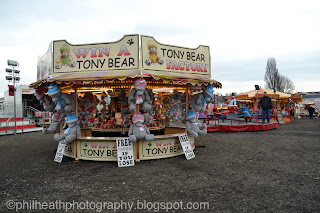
x: 110, y: 76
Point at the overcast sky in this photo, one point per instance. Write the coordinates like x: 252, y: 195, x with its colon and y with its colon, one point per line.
x: 242, y: 35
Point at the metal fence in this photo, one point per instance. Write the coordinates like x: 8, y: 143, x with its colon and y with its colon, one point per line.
x: 7, y: 109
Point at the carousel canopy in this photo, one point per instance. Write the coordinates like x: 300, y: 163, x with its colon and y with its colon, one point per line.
x: 129, y: 57
x: 253, y: 94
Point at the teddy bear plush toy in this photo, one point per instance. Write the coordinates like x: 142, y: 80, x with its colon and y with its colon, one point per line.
x: 64, y: 102
x: 125, y: 121
x: 161, y: 117
x: 55, y: 124
x: 198, y: 101
x: 139, y: 95
x: 73, y: 130
x: 123, y: 103
x: 148, y: 119
x: 45, y: 101
x: 138, y: 130
x: 103, y: 101
x: 48, y: 104
x: 193, y: 127
x: 176, y: 106
x: 88, y: 108
x: 39, y: 96
x: 95, y: 101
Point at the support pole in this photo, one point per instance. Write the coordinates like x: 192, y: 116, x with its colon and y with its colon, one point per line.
x: 14, y: 102
x: 257, y: 106
x: 187, y: 98
x: 76, y: 101
x: 76, y: 113
x: 187, y: 102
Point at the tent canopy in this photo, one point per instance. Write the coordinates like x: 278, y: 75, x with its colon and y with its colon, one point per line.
x: 253, y: 94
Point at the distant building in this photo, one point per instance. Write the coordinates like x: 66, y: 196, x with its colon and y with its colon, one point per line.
x: 24, y: 98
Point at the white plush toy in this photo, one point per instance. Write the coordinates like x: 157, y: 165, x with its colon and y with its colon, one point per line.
x: 73, y: 130
x: 138, y: 130
x: 139, y: 95
x: 193, y: 127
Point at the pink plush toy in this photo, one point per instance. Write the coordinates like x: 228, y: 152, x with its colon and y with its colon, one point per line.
x: 139, y: 95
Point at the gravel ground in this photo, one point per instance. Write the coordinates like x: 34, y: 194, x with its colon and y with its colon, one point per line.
x: 271, y: 171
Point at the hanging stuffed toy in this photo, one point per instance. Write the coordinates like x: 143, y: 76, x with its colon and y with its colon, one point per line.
x: 148, y: 119
x: 48, y: 104
x: 39, y: 95
x: 123, y: 103
x: 95, y: 101
x: 198, y: 101
x: 64, y: 102
x: 45, y: 100
x: 73, y: 130
x: 103, y: 101
x: 139, y: 95
x: 193, y: 127
x: 103, y: 111
x: 125, y: 121
x: 54, y: 126
x: 88, y: 108
x: 138, y: 130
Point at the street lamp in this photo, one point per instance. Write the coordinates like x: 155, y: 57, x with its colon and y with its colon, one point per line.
x: 257, y: 87
x: 14, y: 77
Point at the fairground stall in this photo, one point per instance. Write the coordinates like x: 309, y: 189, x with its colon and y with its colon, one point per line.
x: 104, y: 93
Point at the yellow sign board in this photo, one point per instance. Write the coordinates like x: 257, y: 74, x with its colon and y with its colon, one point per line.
x: 163, y: 148
x: 97, y: 150
x: 166, y: 58
x: 119, y: 55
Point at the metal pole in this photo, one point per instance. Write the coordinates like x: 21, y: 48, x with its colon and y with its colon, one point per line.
x: 257, y: 107
x: 187, y: 101
x: 14, y: 102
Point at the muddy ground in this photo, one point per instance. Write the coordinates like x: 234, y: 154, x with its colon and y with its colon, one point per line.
x: 271, y: 171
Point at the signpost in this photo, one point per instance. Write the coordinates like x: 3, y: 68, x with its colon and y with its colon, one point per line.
x: 60, y: 151
x: 125, y: 152
x: 184, y: 140
x: 280, y: 117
